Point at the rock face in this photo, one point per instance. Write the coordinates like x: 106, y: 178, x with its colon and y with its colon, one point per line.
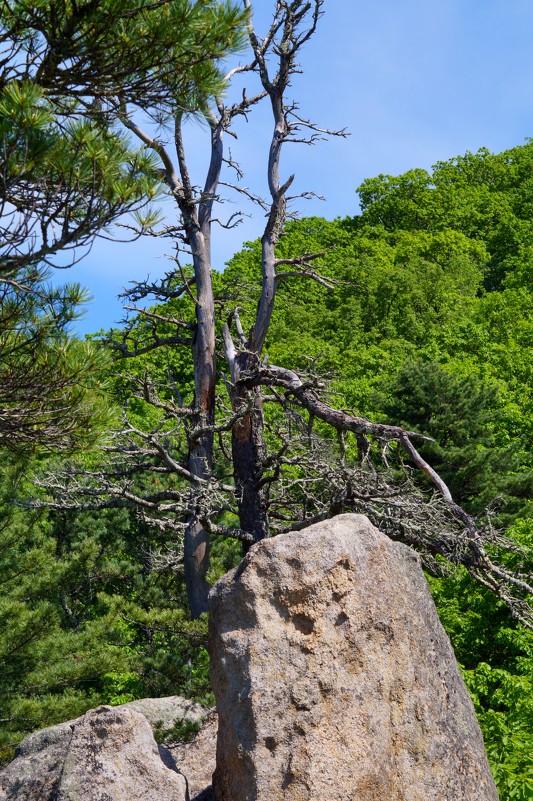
x: 334, y: 678
x: 109, y: 754
x: 163, y: 713
x: 197, y: 759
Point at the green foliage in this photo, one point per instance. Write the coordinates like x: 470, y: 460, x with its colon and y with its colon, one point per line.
x: 87, y: 615
x: 504, y: 708
x: 120, y: 688
x: 147, y: 53
x: 496, y: 657
x: 463, y: 416
x: 47, y: 674
x: 52, y: 388
x: 399, y: 295
x: 430, y: 325
x: 416, y: 285
x: 74, y: 172
x: 183, y: 731
x: 486, y: 196
x: 68, y: 72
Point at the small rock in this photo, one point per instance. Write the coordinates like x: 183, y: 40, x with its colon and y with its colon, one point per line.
x: 164, y: 713
x: 109, y: 754
x: 197, y: 759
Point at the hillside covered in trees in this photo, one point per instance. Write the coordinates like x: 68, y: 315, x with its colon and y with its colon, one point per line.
x: 426, y: 323
x: 379, y: 363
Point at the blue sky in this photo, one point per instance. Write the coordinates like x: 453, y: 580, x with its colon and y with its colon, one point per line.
x: 414, y: 82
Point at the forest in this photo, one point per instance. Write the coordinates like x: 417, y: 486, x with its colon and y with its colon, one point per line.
x: 139, y: 464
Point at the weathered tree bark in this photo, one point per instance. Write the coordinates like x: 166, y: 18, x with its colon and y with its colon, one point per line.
x: 249, y: 453
x: 248, y: 443
x: 200, y: 462
x: 196, y: 222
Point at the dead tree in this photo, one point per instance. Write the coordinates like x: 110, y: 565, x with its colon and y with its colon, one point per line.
x: 218, y: 452
x: 292, y: 26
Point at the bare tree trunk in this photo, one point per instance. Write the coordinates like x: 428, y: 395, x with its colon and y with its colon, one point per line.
x: 248, y: 443
x: 249, y: 453
x: 200, y: 461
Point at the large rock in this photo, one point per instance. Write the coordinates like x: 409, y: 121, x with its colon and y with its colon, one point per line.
x: 109, y: 754
x: 334, y: 678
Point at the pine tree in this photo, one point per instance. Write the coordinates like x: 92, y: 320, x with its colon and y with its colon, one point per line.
x: 461, y: 414
x: 68, y: 173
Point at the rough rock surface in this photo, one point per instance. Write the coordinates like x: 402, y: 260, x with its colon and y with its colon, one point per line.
x: 334, y: 678
x: 109, y: 754
x: 163, y: 713
x: 197, y: 759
